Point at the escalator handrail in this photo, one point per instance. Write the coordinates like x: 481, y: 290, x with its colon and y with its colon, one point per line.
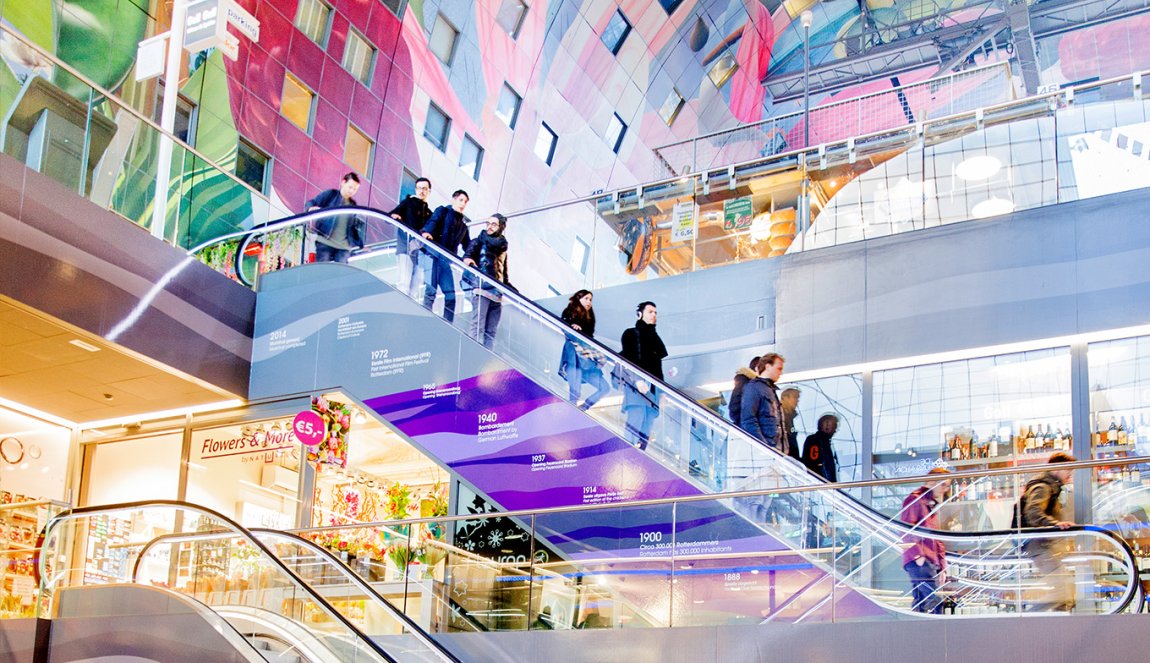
x: 352, y: 577
x: 107, y: 509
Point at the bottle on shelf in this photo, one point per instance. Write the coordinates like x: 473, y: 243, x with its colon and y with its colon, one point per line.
x: 1031, y: 441
x: 1122, y: 438
x: 992, y: 446
x: 1112, y: 433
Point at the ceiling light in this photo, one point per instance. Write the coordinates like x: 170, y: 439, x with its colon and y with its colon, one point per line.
x: 84, y: 345
x: 980, y: 167
x: 992, y: 207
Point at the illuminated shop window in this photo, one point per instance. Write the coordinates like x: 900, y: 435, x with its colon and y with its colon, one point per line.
x: 252, y: 166
x: 723, y: 69
x: 437, y: 126
x: 359, y: 57
x: 357, y: 150
x: 545, y: 144
x: 508, y: 108
x: 671, y: 107
x: 511, y: 15
x: 616, y: 130
x: 298, y: 103
x: 443, y: 39
x: 616, y: 32
x: 471, y: 157
x: 313, y: 18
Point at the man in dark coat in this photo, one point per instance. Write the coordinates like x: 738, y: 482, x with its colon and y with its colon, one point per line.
x: 488, y: 254
x: 448, y: 230
x: 413, y: 213
x: 762, y: 414
x: 337, y: 236
x: 818, y: 454
x: 643, y: 348
x: 742, y: 377
x: 1041, y: 506
x: 789, y: 401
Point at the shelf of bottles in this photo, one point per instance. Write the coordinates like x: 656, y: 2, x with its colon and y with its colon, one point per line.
x: 19, y: 530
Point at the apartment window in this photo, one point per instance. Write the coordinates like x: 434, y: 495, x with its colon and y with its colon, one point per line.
x: 580, y: 252
x: 671, y: 107
x: 471, y: 157
x: 508, y: 108
x: 437, y: 126
x: 357, y: 150
x: 252, y: 166
x: 298, y: 103
x: 616, y: 130
x: 406, y: 184
x: 443, y: 39
x: 313, y: 18
x: 396, y: 6
x: 616, y: 33
x: 723, y: 69
x: 185, y: 125
x: 511, y: 15
x: 545, y: 144
x: 359, y: 57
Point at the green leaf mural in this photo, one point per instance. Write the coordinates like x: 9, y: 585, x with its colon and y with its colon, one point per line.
x: 99, y: 38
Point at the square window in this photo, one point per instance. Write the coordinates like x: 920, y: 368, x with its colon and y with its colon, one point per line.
x: 471, y: 157
x: 616, y: 130
x: 723, y: 69
x: 357, y: 151
x: 252, y: 166
x: 545, y: 144
x: 671, y: 107
x: 298, y: 103
x: 508, y: 108
x: 437, y: 126
x: 396, y: 6
x: 313, y: 18
x: 616, y: 32
x: 511, y: 15
x: 185, y: 126
x: 442, y: 40
x: 580, y: 252
x: 358, y: 57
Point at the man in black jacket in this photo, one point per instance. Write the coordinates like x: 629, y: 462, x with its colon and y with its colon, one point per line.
x: 488, y: 254
x: 1041, y: 506
x: 413, y: 213
x: 337, y: 236
x: 818, y: 454
x: 447, y: 229
x: 762, y: 414
x: 643, y: 348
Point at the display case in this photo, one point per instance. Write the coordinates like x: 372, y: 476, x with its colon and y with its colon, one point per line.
x: 22, y: 519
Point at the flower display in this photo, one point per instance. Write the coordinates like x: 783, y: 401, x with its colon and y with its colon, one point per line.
x: 337, y: 422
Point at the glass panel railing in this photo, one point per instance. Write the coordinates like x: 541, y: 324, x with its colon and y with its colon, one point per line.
x: 106, y: 151
x: 818, y: 557
x: 202, y: 555
x: 22, y: 521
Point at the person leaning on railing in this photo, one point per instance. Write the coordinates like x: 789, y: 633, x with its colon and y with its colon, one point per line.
x: 337, y: 236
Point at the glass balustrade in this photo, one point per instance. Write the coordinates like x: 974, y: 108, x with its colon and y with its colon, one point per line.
x: 259, y: 584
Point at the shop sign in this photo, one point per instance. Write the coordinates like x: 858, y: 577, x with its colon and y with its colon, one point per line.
x: 309, y: 427
x: 684, y: 221
x: 225, y: 442
x: 737, y: 213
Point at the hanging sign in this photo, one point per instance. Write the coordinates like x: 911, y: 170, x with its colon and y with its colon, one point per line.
x: 684, y: 221
x: 737, y: 213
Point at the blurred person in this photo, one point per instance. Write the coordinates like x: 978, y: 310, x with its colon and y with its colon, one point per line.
x: 789, y: 400
x: 580, y: 364
x: 337, y: 236
x: 487, y: 253
x: 762, y: 413
x: 1041, y: 506
x: 643, y: 347
x: 818, y: 452
x: 448, y: 230
x: 924, y: 560
x: 413, y: 212
x: 742, y: 377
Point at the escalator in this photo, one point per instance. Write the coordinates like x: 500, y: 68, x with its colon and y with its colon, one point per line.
x: 189, y: 568
x: 502, y: 420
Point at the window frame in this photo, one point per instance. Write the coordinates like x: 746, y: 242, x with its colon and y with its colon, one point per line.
x: 326, y: 36
x: 622, y: 133
x: 678, y: 107
x: 618, y: 45
x: 478, y: 159
x: 513, y: 32
x: 243, y: 142
x: 433, y: 107
x: 518, y: 105
x: 288, y: 76
x: 440, y: 18
x: 366, y: 170
x: 550, y: 158
x: 374, y: 52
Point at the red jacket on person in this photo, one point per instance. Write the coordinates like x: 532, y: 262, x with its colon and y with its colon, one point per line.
x: 919, y: 509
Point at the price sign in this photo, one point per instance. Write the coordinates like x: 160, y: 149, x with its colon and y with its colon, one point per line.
x: 309, y: 428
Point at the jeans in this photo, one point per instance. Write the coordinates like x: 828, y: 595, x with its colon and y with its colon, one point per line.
x: 443, y: 280
x: 326, y: 253
x: 924, y: 584
x: 485, y: 314
x: 408, y: 265
x: 584, y: 371
x: 640, y: 421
